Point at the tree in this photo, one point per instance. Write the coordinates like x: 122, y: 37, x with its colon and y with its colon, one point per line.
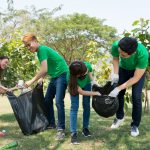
x: 71, y: 34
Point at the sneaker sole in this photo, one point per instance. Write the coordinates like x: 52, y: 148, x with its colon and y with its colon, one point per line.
x: 134, y: 135
x: 85, y: 135
x: 75, y: 143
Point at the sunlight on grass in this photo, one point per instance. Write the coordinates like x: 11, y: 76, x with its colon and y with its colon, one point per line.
x: 103, y: 137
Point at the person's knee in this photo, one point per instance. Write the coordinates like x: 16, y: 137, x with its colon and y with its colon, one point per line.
x: 74, y: 107
x: 59, y: 104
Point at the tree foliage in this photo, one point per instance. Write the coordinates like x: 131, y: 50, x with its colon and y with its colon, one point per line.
x: 69, y: 35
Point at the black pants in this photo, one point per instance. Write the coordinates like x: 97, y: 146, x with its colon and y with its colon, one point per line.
x: 125, y: 75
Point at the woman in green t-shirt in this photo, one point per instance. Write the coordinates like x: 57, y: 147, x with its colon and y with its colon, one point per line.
x: 4, y: 60
x: 80, y: 83
x: 130, y: 60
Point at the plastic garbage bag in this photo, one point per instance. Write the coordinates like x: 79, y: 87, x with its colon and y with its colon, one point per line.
x: 29, y: 110
x: 105, y: 105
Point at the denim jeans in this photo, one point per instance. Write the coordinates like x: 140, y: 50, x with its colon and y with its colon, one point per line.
x: 57, y: 87
x: 74, y: 110
x: 125, y: 75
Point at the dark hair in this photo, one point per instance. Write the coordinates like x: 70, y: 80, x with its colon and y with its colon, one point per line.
x: 128, y: 45
x: 76, y: 68
x: 1, y: 70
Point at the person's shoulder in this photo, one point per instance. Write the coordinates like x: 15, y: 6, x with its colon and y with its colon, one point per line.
x: 115, y: 44
x: 43, y: 47
x: 141, y: 49
x: 87, y: 63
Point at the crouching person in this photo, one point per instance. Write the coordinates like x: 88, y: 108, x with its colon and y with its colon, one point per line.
x: 80, y: 83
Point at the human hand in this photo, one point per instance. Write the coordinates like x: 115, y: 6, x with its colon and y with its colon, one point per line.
x: 114, y: 92
x: 114, y: 78
x: 28, y: 83
x: 2, y: 91
x: 40, y: 81
x: 97, y: 94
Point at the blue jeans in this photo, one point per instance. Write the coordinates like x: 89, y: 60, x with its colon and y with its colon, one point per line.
x: 74, y: 110
x: 57, y: 86
x: 125, y: 75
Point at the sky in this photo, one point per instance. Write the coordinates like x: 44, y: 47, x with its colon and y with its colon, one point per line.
x: 119, y: 14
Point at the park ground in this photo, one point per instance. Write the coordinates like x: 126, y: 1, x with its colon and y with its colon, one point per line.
x: 103, y: 138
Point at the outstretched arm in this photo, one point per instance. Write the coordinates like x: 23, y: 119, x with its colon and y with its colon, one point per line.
x: 87, y: 93
x: 41, y: 73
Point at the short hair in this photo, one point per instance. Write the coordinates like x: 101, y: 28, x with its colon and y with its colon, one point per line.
x: 3, y: 57
x: 29, y: 37
x: 128, y: 45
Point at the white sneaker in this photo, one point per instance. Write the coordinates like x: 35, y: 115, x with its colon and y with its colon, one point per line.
x: 134, y: 131
x: 117, y: 123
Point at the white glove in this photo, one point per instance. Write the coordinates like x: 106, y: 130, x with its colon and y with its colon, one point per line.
x: 94, y: 82
x: 114, y: 78
x: 114, y: 92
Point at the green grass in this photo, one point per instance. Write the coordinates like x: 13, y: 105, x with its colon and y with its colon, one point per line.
x: 103, y: 138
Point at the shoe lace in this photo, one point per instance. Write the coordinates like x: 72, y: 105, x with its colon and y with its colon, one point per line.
x: 115, y: 120
x: 134, y: 129
x: 86, y: 130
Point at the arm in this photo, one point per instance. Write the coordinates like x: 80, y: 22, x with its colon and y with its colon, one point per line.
x: 41, y: 73
x: 91, y: 76
x: 92, y: 79
x: 116, y: 64
x: 137, y: 76
x: 87, y: 93
x: 3, y: 89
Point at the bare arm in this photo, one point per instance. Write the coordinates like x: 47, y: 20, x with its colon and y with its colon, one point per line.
x: 91, y: 76
x: 137, y: 76
x: 116, y: 64
x: 87, y: 93
x: 40, y: 74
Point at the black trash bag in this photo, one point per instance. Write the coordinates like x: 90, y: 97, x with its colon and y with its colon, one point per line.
x: 105, y: 105
x: 29, y: 110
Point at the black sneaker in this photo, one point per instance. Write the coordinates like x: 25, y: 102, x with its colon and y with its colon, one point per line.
x: 74, y: 139
x: 86, y: 132
x: 51, y: 126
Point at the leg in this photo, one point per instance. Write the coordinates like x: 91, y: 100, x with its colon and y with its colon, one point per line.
x: 50, y: 94
x: 61, y: 85
x: 137, y: 102
x: 86, y: 107
x: 123, y: 77
x: 73, y: 113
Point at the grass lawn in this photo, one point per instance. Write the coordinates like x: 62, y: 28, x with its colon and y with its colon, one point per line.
x: 103, y: 138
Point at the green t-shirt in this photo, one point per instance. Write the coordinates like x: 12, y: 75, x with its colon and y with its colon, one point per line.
x: 56, y: 63
x: 139, y: 60
x: 87, y: 80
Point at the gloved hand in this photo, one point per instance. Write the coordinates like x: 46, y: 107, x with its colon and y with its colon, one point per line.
x: 114, y: 78
x: 114, y: 92
x: 94, y: 82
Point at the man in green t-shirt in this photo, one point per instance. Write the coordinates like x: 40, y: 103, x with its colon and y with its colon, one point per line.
x: 130, y: 60
x: 56, y: 67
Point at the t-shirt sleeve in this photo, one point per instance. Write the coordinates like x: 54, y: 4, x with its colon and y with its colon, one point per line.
x: 43, y: 54
x: 142, y: 61
x: 89, y: 66
x: 114, y: 49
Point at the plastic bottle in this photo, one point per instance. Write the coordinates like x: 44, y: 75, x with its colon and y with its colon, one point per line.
x: 2, y: 134
x: 10, y: 145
